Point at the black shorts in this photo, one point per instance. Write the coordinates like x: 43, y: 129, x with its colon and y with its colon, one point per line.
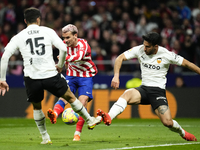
x: 56, y: 85
x: 152, y: 95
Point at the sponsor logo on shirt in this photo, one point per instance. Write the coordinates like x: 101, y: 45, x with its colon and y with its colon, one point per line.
x: 149, y: 66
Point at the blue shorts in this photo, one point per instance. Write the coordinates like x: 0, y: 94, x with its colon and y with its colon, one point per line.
x: 84, y: 85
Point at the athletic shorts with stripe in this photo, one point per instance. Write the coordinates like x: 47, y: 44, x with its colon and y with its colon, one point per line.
x: 152, y: 95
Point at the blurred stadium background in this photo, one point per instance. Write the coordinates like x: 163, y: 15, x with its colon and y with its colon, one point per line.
x: 111, y: 27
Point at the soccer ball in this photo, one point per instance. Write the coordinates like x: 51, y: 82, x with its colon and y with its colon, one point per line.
x: 69, y: 116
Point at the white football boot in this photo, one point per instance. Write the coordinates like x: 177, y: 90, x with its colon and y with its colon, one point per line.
x: 93, y: 122
x: 46, y: 139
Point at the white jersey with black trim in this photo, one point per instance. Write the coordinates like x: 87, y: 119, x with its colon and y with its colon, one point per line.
x: 154, y: 67
x: 35, y: 44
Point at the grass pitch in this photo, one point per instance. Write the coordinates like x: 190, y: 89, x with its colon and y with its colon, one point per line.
x: 150, y: 134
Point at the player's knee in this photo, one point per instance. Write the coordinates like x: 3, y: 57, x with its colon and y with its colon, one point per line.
x: 126, y: 96
x: 62, y: 99
x: 132, y: 96
x: 36, y: 106
x: 127, y: 93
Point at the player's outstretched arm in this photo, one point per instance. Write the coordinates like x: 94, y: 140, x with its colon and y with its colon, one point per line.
x: 3, y: 87
x: 118, y: 63
x: 190, y: 66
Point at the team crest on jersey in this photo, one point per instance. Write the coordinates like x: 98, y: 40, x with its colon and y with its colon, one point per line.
x: 159, y: 60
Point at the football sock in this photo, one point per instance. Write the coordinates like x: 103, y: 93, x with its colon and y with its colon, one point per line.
x: 80, y: 124
x: 117, y: 108
x: 39, y: 118
x: 78, y: 107
x: 177, y: 128
x: 77, y: 133
x: 59, y: 107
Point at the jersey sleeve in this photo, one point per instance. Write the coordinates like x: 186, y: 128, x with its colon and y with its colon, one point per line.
x: 57, y: 42
x: 132, y: 53
x: 175, y: 59
x: 10, y: 48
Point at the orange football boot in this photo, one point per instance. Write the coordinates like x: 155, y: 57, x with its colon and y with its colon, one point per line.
x: 189, y: 137
x: 52, y: 116
x: 105, y: 116
x: 76, y: 137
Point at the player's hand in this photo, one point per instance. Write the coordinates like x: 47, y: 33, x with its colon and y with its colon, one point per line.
x: 3, y: 87
x: 115, y: 82
x: 59, y: 69
x: 66, y: 65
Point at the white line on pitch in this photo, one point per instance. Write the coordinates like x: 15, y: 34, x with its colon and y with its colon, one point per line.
x: 132, y: 125
x: 162, y: 145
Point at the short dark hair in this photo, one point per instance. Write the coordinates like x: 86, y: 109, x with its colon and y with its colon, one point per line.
x: 31, y: 14
x: 153, y: 38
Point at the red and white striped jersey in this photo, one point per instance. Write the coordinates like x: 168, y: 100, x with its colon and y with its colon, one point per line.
x: 79, y: 60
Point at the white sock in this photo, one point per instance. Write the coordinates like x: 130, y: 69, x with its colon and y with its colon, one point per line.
x: 78, y: 107
x: 77, y: 133
x: 117, y: 108
x: 177, y: 128
x: 40, y: 121
x: 56, y: 114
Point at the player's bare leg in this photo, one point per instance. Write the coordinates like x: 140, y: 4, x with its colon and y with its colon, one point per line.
x: 164, y: 114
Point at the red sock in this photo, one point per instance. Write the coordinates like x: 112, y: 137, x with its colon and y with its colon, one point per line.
x: 58, y: 109
x: 80, y: 124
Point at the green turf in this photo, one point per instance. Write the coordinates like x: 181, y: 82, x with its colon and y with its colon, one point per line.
x: 22, y: 134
